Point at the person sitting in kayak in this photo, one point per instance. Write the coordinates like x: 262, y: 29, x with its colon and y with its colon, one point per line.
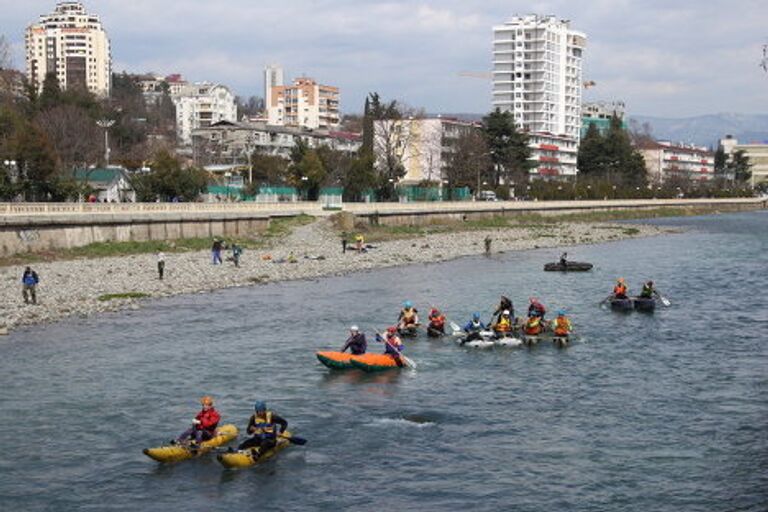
x: 393, y: 345
x: 264, y: 428
x: 503, y: 325
x: 620, y: 290
x: 436, y: 323
x: 409, y: 316
x: 203, y: 426
x: 356, y: 342
x: 536, y: 308
x: 533, y: 326
x: 564, y: 259
x: 648, y: 291
x: 562, y: 325
x: 473, y: 328
x: 504, y: 305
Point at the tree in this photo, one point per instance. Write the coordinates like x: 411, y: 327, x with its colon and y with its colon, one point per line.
x: 6, y: 59
x: 50, y: 96
x: 169, y: 180
x: 508, y: 148
x: 250, y: 107
x: 309, y: 174
x: 720, y: 161
x: 469, y: 162
x: 591, y: 157
x: 75, y: 138
x: 359, y: 178
x: 612, y: 156
x: 739, y: 166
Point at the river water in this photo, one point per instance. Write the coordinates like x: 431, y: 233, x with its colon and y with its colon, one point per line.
x: 662, y: 412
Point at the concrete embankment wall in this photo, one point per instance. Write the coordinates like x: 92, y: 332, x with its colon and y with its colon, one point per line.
x: 404, y: 214
x: 35, y: 227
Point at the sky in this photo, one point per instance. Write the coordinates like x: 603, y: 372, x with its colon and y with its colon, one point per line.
x: 668, y: 58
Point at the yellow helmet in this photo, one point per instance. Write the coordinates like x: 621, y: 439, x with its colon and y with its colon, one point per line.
x: 206, y: 400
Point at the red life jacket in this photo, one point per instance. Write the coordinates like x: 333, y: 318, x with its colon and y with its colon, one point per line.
x: 209, y: 419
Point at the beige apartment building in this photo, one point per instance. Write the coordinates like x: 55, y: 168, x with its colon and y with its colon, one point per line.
x: 305, y: 104
x: 756, y: 152
x: 73, y: 44
x: 664, y: 160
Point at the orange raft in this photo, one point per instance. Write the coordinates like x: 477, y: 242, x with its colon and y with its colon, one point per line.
x: 335, y: 360
x: 376, y: 362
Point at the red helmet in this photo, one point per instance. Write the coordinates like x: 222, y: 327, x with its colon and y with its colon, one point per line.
x: 434, y: 311
x: 392, y: 330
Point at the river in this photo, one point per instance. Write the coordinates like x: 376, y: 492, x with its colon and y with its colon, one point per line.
x: 662, y: 412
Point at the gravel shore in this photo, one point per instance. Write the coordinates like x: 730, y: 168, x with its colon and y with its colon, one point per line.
x: 70, y: 288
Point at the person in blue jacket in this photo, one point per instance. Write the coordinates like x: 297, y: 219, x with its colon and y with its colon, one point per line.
x: 473, y: 328
x: 29, y: 285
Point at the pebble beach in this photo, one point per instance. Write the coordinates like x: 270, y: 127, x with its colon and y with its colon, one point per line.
x: 73, y: 287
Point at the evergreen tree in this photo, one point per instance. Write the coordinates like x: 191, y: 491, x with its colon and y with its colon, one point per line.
x: 720, y: 161
x: 508, y: 147
x: 50, y: 96
x: 591, y: 157
x: 739, y: 166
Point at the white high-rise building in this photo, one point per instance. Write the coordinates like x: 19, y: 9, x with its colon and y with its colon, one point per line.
x: 273, y: 77
x: 200, y: 105
x: 73, y: 44
x: 537, y: 74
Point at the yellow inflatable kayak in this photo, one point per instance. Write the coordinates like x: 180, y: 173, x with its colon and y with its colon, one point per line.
x: 180, y: 452
x: 244, y: 458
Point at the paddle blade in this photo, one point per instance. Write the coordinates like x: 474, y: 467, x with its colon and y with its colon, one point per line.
x: 297, y: 440
x: 666, y: 301
x: 455, y: 327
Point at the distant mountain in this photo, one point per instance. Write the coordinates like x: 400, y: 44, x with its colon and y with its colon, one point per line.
x: 707, y: 130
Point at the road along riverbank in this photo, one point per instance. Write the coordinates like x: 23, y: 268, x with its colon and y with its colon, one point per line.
x: 88, y: 286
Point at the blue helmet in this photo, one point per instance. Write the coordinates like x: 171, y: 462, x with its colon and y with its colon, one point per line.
x: 407, y: 304
x: 475, y: 316
x: 560, y: 312
x: 260, y: 406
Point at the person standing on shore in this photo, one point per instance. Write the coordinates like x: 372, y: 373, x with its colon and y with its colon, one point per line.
x: 487, y: 242
x: 160, y: 265
x: 29, y: 282
x: 216, y: 251
x: 343, y: 242
x: 237, y: 251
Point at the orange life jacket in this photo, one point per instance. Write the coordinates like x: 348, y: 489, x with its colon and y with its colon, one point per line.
x: 562, y: 326
x: 620, y: 289
x: 533, y: 326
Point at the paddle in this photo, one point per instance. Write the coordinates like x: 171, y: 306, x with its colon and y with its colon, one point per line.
x: 455, y: 327
x: 405, y: 358
x: 663, y: 299
x: 602, y: 302
x: 300, y: 441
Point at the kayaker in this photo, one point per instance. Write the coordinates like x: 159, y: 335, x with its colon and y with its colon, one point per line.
x: 536, y: 308
x: 264, y: 428
x: 620, y: 290
x: 504, y: 305
x: 533, y: 326
x: 564, y: 259
x: 648, y: 291
x: 356, y: 342
x: 204, y: 425
x: 393, y: 345
x: 562, y: 325
x: 503, y: 325
x: 408, y: 317
x: 473, y: 328
x: 436, y: 325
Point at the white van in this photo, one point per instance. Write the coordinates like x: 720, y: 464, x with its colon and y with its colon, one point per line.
x: 487, y: 195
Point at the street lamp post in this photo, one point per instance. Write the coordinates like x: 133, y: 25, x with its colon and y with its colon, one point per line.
x: 106, y: 124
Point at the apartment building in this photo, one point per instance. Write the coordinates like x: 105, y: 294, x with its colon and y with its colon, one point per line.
x: 273, y: 77
x: 73, y: 44
x: 756, y: 152
x: 230, y: 143
x: 553, y: 156
x: 305, y: 104
x: 422, y: 146
x: 665, y: 161
x: 537, y: 73
x: 200, y: 105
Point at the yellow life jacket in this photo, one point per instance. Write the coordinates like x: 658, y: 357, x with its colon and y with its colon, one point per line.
x: 504, y: 325
x: 263, y: 424
x: 409, y: 316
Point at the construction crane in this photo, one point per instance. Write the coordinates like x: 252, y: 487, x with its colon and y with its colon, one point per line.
x: 488, y: 76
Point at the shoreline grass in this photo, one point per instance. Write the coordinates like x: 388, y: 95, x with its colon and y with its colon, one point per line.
x: 122, y: 296
x: 278, y: 228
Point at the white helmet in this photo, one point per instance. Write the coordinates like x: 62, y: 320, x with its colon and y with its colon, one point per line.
x: 505, y: 312
x: 354, y: 328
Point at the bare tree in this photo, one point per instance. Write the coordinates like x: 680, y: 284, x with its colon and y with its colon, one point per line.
x: 640, y: 135
x: 469, y: 161
x: 6, y: 55
x: 74, y: 136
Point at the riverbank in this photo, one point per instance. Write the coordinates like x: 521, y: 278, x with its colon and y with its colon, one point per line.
x: 85, y: 287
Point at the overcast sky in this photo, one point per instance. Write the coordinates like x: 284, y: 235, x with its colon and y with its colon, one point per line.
x: 670, y: 58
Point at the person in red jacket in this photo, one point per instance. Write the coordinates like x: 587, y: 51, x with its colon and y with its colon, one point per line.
x: 204, y: 425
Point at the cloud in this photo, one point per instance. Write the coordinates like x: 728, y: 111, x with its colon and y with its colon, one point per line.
x: 660, y: 57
